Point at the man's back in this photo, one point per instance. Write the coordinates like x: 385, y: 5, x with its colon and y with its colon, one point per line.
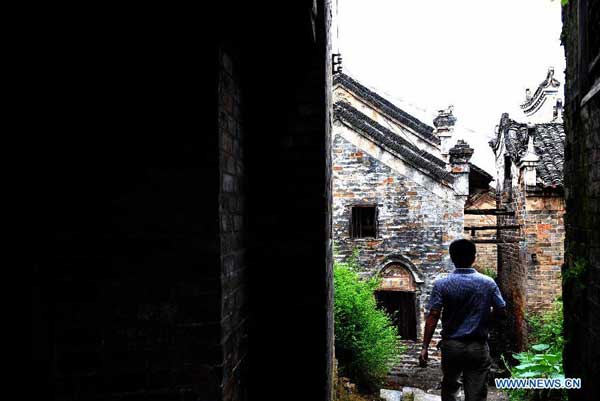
x: 465, y: 297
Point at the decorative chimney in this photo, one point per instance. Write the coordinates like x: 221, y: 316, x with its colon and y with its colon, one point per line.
x: 460, y: 155
x: 444, y: 129
x: 530, y: 159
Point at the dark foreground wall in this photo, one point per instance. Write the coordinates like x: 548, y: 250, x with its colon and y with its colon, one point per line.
x: 181, y: 214
x: 581, y: 273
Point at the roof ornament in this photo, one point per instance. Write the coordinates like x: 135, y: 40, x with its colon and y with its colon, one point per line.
x: 557, y: 116
x: 547, y: 89
x: 530, y: 154
x: 445, y: 119
x: 530, y: 159
x: 444, y: 129
x: 460, y: 153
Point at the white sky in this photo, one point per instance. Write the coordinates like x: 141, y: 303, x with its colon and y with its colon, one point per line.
x: 478, y: 55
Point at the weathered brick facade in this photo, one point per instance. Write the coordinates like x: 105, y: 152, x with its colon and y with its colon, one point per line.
x: 529, y: 186
x: 487, y: 254
x: 385, y: 159
x: 581, y: 285
x: 232, y: 202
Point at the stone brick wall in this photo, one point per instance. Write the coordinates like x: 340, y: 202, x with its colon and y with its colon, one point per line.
x: 529, y: 265
x: 126, y: 262
x: 411, y: 220
x: 581, y: 288
x: 159, y: 244
x: 545, y: 234
x: 487, y: 254
x: 414, y: 228
x: 233, y: 245
x: 286, y: 99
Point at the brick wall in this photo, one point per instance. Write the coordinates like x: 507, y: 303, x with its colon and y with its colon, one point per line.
x: 414, y: 226
x: 529, y: 266
x: 487, y: 254
x: 411, y: 220
x: 581, y: 288
x: 233, y: 243
x: 287, y: 120
x: 512, y: 266
x: 141, y: 273
x: 126, y: 269
x: 545, y: 234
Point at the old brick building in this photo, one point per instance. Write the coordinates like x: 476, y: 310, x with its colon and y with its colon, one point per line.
x: 399, y: 193
x: 530, y: 196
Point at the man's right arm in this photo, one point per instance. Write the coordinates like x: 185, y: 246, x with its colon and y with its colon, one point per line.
x: 435, y: 307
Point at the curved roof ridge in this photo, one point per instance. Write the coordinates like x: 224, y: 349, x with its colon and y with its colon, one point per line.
x: 387, y: 106
x: 386, y: 138
x: 549, y: 82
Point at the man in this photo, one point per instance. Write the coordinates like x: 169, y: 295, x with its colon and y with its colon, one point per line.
x: 465, y: 297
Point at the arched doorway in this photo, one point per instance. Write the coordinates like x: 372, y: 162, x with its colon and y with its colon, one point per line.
x: 397, y: 296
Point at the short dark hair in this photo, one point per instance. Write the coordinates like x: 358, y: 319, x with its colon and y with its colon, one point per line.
x: 462, y: 253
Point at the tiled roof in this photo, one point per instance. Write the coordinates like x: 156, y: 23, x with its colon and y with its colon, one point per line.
x: 549, y: 144
x: 385, y: 138
x: 424, y: 130
x: 481, y: 172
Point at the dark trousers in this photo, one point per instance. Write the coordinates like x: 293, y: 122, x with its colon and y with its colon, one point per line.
x: 472, y: 359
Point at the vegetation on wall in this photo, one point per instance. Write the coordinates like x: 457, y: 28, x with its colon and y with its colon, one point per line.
x: 366, y: 341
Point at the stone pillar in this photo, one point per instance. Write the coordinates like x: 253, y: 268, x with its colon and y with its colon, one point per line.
x: 444, y: 129
x: 459, y: 156
x: 529, y: 161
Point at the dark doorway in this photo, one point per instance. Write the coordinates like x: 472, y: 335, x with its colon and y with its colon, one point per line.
x: 401, y: 306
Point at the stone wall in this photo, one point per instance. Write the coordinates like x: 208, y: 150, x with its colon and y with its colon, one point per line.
x: 545, y: 235
x: 232, y: 202
x: 160, y: 248
x: 412, y: 222
x: 487, y: 254
x: 414, y: 229
x: 581, y: 286
x: 529, y: 263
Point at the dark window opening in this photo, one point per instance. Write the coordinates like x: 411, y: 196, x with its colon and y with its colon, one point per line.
x: 507, y: 168
x: 401, y: 306
x: 364, y: 222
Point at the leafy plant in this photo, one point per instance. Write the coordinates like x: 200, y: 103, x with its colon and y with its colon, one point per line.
x: 547, y: 328
x: 544, y: 358
x: 366, y: 341
x: 489, y: 272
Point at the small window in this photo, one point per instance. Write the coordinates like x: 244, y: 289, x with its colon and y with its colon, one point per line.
x: 363, y: 221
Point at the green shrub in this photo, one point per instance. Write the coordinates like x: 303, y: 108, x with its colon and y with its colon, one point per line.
x: 489, y: 272
x: 366, y: 341
x: 543, y: 359
x: 547, y: 328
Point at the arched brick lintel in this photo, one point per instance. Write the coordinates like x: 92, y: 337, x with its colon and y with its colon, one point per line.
x: 397, y: 282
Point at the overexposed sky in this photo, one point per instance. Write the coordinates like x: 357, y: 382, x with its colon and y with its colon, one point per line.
x: 478, y: 55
